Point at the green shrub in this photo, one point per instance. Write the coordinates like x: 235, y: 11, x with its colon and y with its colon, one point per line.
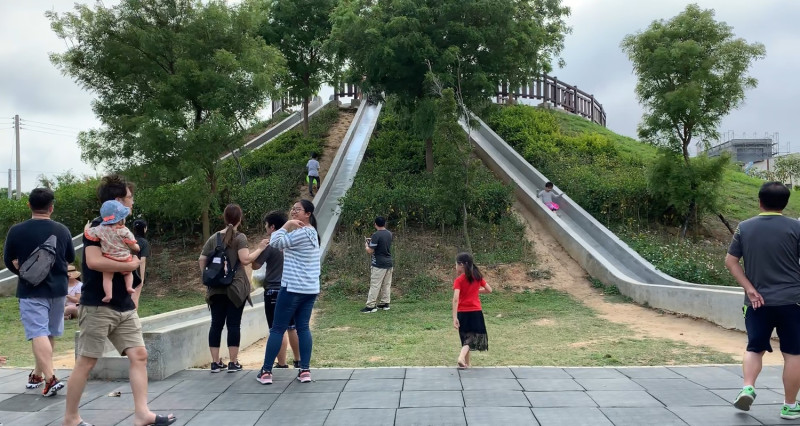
x: 76, y: 203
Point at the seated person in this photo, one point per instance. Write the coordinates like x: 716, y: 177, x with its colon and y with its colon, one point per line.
x: 73, y: 293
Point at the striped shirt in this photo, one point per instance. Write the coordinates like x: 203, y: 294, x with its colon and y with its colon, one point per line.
x: 301, y: 268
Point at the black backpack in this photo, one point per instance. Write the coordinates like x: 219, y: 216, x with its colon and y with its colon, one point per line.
x: 38, y: 265
x: 219, y: 270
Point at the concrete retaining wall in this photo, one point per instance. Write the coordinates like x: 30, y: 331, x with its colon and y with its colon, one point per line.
x: 599, y: 251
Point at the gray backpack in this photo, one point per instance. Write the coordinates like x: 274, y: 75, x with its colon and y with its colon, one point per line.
x: 39, y: 263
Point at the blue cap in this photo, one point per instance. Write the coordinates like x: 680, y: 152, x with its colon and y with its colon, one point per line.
x: 112, y: 211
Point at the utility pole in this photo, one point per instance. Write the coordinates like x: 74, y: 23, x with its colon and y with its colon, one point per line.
x: 9, y: 184
x: 19, y: 169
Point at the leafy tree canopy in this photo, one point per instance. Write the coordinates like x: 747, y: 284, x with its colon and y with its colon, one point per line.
x: 692, y: 71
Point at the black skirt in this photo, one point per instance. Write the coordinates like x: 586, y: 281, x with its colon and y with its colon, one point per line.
x: 472, y: 330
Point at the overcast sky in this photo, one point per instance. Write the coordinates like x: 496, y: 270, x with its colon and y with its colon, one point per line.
x: 53, y: 108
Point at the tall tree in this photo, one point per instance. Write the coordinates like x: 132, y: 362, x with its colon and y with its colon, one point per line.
x: 175, y: 81
x: 299, y: 29
x: 394, y: 43
x: 692, y: 71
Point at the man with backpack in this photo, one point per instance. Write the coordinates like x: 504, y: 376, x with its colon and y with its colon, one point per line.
x: 39, y: 250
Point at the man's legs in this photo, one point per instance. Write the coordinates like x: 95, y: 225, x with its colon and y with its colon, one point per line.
x: 375, y: 282
x: 791, y: 378
x: 75, y: 386
x: 751, y: 366
x: 43, y: 352
x: 386, y: 287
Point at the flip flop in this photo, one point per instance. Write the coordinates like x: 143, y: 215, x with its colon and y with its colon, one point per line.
x: 162, y: 420
x: 83, y: 423
x: 461, y: 365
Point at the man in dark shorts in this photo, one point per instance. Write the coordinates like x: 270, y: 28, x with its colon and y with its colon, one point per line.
x: 41, y: 307
x: 273, y: 258
x: 116, y: 320
x: 770, y: 245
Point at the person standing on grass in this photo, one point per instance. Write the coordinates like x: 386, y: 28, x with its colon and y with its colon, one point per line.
x: 140, y: 232
x: 313, y: 173
x: 227, y: 303
x: 467, y: 312
x: 273, y: 258
x: 41, y: 307
x: 116, y: 320
x: 770, y: 245
x: 381, y: 267
x: 299, y: 240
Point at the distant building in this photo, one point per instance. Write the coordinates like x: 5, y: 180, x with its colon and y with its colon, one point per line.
x: 746, y: 150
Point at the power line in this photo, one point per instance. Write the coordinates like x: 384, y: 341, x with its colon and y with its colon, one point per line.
x: 48, y: 124
x: 47, y: 129
x: 49, y: 133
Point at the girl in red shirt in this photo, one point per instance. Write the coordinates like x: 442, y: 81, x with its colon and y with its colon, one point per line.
x: 467, y: 314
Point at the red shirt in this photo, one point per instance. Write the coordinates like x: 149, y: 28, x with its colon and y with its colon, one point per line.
x: 468, y: 300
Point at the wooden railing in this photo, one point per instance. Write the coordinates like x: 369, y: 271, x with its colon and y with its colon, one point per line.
x: 285, y: 101
x: 347, y: 90
x: 559, y: 94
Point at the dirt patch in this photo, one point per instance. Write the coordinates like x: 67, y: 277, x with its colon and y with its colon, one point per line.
x: 544, y: 322
x: 332, y: 142
x: 568, y: 276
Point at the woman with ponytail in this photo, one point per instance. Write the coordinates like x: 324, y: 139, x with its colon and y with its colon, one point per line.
x: 467, y: 313
x: 227, y: 303
x: 299, y: 240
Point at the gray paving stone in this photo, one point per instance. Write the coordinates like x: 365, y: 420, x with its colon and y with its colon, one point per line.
x: 540, y: 373
x: 594, y: 373
x: 30, y: 403
x: 649, y: 373
x: 7, y: 417
x: 440, y: 416
x: 330, y: 374
x: 560, y: 417
x: 495, y: 399
x: 122, y: 402
x: 431, y: 373
x: 374, y: 416
x: 624, y: 399
x: 201, y: 386
x: 492, y: 416
x: 418, y: 399
x: 294, y: 417
x: 687, y: 397
x: 192, y: 374
x: 315, y: 387
x: 642, y: 416
x: 763, y: 396
x: 9, y: 371
x: 490, y: 384
x: 768, y: 380
x: 560, y: 399
x: 434, y: 383
x: 217, y: 418
x: 182, y: 401
x: 156, y: 387
x: 242, y: 402
x: 770, y: 414
x: 372, y: 385
x: 309, y: 401
x: 550, y: 385
x: 735, y: 369
x: 13, y: 381
x: 710, y: 377
x: 281, y: 374
x: 95, y: 417
x: 378, y: 373
x: 667, y: 384
x: 714, y: 416
x: 183, y: 417
x: 38, y: 418
x: 625, y: 384
x: 487, y: 373
x: 248, y: 384
x: 5, y: 396
x: 368, y: 400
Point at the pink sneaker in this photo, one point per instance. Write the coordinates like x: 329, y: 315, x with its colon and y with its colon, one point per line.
x: 304, y: 376
x: 264, y: 377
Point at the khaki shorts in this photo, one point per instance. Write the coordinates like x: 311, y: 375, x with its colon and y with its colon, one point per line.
x: 98, y: 323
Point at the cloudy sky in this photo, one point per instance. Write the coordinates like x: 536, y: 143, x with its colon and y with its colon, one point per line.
x: 53, y: 108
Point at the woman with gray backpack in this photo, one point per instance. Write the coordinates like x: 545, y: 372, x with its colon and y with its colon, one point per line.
x: 222, y: 263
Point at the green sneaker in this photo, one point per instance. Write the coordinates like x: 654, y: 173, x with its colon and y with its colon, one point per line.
x: 745, y: 398
x: 790, y: 413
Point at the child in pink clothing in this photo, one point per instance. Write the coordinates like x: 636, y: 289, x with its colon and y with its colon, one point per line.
x: 116, y: 242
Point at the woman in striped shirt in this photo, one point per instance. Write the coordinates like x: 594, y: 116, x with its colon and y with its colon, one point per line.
x: 299, y: 240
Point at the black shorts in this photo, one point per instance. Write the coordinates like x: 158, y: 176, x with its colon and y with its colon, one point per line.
x: 270, y: 299
x: 762, y: 321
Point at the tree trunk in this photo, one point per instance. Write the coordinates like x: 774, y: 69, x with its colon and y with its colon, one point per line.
x: 212, y: 181
x: 305, y: 116
x: 467, y: 240
x: 727, y: 225
x: 689, y: 215
x: 206, y: 222
x: 429, y: 154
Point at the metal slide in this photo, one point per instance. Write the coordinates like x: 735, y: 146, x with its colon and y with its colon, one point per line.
x: 8, y: 281
x: 601, y: 253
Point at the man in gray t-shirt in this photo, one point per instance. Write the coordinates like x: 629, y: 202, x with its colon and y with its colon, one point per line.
x: 313, y: 173
x: 770, y: 246
x: 381, y: 267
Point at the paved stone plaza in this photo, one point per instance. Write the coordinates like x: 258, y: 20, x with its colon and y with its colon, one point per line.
x: 422, y: 396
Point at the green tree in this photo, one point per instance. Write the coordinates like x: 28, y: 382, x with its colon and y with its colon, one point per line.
x: 299, y: 28
x: 477, y: 43
x: 787, y: 168
x: 692, y: 71
x: 175, y: 81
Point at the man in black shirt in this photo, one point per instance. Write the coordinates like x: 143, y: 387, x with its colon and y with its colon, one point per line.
x: 116, y: 320
x: 381, y: 267
x: 41, y: 307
